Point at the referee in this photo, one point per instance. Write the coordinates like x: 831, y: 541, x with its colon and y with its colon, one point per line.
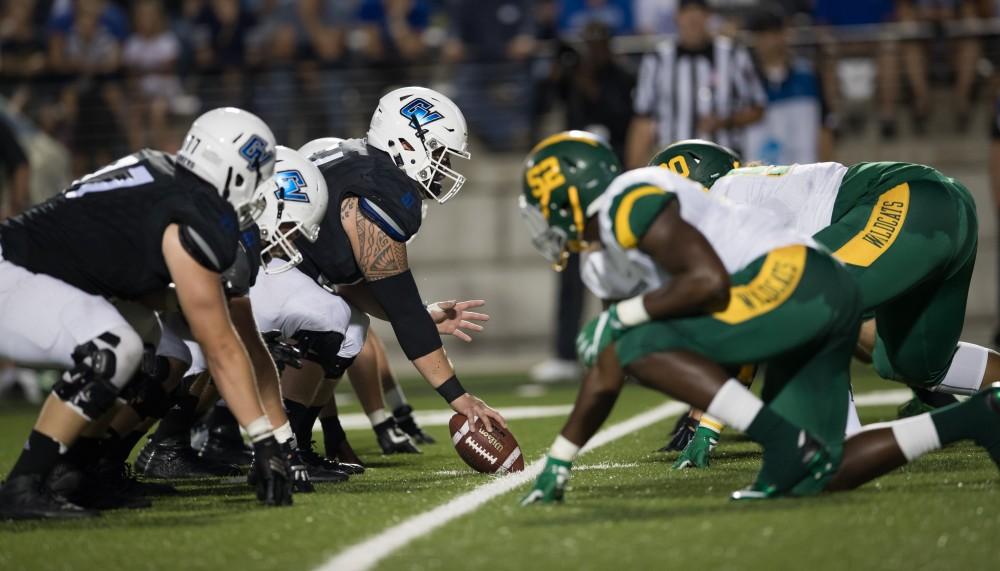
x: 695, y: 86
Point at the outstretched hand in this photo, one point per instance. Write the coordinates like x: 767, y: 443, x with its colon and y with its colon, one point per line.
x: 454, y: 318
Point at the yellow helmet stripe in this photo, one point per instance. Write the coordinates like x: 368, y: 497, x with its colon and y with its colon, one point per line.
x: 623, y: 232
x: 579, y: 136
x: 574, y: 200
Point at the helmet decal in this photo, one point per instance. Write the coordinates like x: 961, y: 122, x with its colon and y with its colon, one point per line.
x: 544, y: 178
x: 255, y: 151
x: 290, y: 186
x: 421, y: 113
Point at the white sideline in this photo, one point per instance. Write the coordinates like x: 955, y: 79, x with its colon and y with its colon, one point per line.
x: 366, y: 554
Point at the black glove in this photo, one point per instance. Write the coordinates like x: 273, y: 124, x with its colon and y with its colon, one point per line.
x: 282, y: 352
x: 274, y: 487
x: 301, y: 483
x: 682, y: 434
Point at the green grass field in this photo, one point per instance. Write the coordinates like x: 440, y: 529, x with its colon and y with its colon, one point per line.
x: 626, y: 509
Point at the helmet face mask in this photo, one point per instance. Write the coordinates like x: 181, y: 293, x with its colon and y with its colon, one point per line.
x: 549, y: 241
x: 233, y: 151
x: 422, y: 130
x: 295, y: 205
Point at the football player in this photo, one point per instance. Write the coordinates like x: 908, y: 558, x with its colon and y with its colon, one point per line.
x: 127, y: 232
x: 705, y: 285
x: 906, y: 232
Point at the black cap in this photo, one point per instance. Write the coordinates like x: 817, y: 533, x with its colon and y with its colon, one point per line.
x: 703, y: 4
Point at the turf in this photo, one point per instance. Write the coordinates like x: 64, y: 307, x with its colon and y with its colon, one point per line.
x: 625, y: 508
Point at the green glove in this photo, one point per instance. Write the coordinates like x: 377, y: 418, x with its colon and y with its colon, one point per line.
x: 550, y: 486
x: 599, y: 332
x: 698, y: 451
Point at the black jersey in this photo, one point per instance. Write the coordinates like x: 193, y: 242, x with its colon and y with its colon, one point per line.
x: 386, y: 196
x: 104, y: 234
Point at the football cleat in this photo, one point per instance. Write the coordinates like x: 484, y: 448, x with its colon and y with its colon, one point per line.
x: 174, y: 459
x: 550, y: 486
x: 317, y: 462
x: 816, y: 465
x: 392, y: 440
x: 27, y: 497
x: 224, y: 447
x: 924, y: 401
x: 698, y: 450
x: 408, y: 424
x: 122, y: 476
x: 988, y: 438
x: 681, y: 435
x: 88, y: 488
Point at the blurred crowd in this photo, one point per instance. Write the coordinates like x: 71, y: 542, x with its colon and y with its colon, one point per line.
x: 107, y: 76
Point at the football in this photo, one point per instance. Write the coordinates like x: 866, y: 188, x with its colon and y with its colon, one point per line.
x: 494, y: 452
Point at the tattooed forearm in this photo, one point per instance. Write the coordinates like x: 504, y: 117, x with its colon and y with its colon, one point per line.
x: 378, y: 255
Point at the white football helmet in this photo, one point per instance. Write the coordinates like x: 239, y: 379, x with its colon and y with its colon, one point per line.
x: 316, y: 145
x: 295, y: 203
x: 233, y: 150
x: 421, y: 130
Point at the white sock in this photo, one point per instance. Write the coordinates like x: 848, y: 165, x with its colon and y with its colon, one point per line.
x: 915, y: 436
x: 377, y: 416
x: 394, y: 397
x: 734, y: 405
x: 965, y: 375
x: 284, y: 433
x: 853, y: 422
x: 563, y: 449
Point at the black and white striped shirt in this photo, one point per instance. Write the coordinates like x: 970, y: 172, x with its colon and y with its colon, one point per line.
x: 677, y: 87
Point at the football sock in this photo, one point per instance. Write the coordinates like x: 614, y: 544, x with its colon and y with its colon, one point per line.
x: 297, y: 413
x: 117, y: 448
x: 86, y: 451
x: 312, y: 413
x: 333, y: 435
x: 377, y: 416
x: 394, y: 398
x: 222, y: 418
x: 973, y: 419
x: 40, y: 454
x: 179, y: 419
x: 965, y: 374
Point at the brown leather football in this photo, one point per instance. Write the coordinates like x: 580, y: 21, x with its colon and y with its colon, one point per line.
x: 494, y: 452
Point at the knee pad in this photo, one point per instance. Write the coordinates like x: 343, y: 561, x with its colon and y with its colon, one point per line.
x: 321, y: 347
x: 145, y: 392
x: 102, y: 366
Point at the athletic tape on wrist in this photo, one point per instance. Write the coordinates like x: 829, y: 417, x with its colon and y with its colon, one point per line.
x: 451, y: 389
x: 632, y: 311
x: 259, y: 429
x: 563, y: 449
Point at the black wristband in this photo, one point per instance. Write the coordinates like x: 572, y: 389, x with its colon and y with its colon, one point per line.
x: 451, y: 389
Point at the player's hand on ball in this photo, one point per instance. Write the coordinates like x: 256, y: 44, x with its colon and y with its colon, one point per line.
x: 550, y: 486
x: 274, y: 486
x: 475, y: 409
x: 453, y: 317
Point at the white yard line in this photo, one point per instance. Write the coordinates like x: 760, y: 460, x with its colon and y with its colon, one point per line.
x: 357, y: 421
x: 366, y: 554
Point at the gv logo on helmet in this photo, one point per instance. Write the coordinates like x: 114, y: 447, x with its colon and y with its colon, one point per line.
x: 255, y: 151
x: 420, y: 112
x: 290, y: 186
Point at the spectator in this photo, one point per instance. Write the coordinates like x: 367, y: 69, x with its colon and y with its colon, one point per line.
x: 698, y: 86
x: 218, y: 32
x: 89, y: 55
x: 15, y: 183
x: 793, y: 129
x: 837, y: 13
x: 655, y: 16
x: 324, y: 86
x: 615, y: 14
x: 491, y: 40
x: 22, y: 41
x: 150, y: 58
x: 597, y: 90
x: 966, y: 51
x: 394, y: 30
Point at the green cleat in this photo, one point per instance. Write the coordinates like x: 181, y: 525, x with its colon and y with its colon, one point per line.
x: 987, y: 432
x: 817, y: 465
x: 698, y: 451
x: 550, y: 486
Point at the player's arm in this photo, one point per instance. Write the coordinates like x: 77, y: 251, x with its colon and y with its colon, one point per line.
x: 260, y: 358
x: 450, y: 317
x: 383, y: 261
x: 199, y: 291
x: 699, y: 283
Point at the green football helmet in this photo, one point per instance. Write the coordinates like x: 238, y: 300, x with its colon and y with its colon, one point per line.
x: 701, y: 161
x: 563, y: 177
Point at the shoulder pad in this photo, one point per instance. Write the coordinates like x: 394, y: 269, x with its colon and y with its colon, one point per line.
x: 238, y: 278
